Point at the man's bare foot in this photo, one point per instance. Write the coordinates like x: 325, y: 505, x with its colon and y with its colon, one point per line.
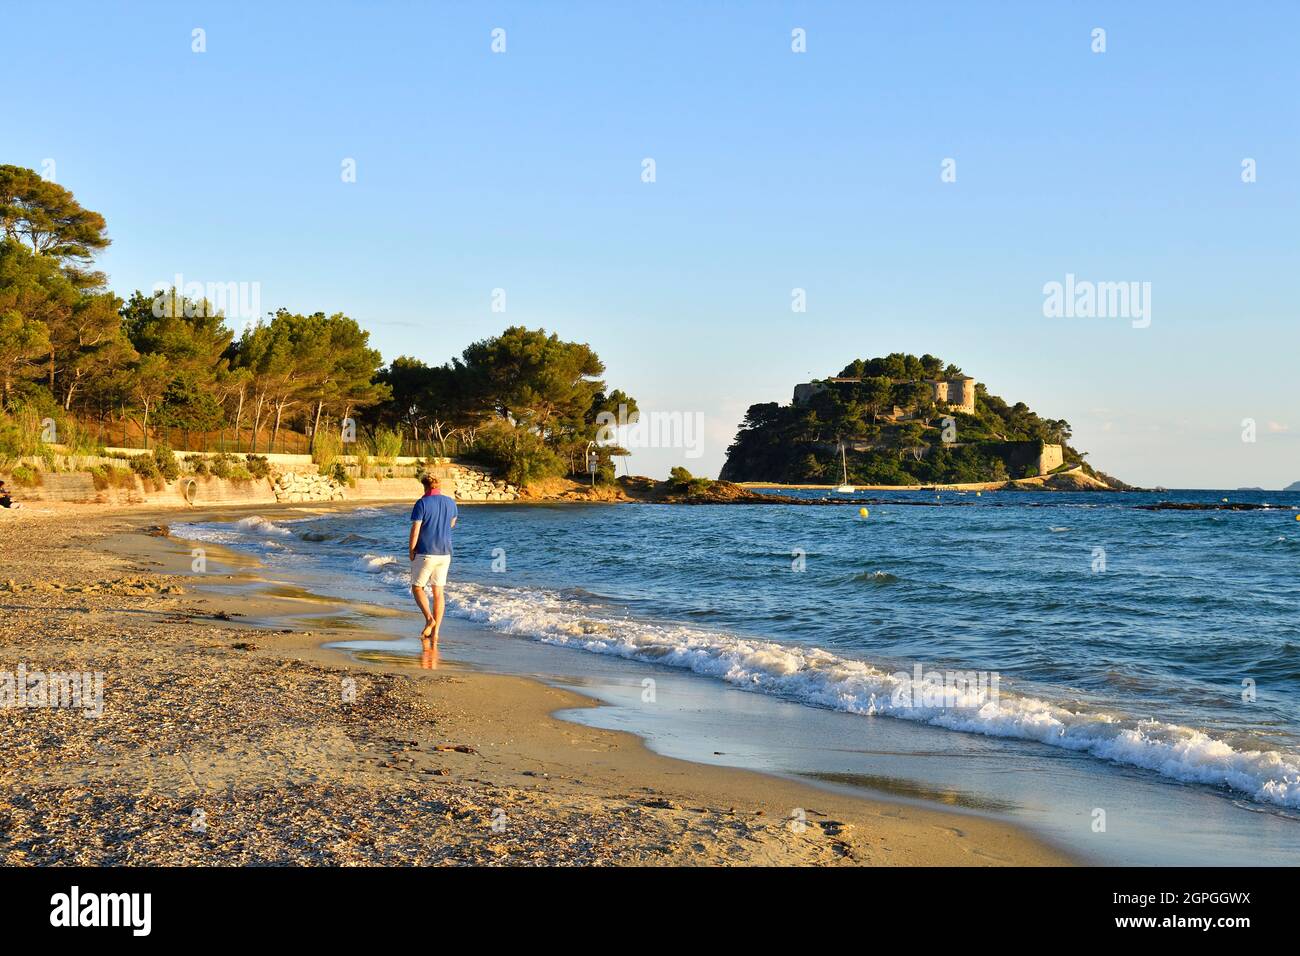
x: 428, y: 631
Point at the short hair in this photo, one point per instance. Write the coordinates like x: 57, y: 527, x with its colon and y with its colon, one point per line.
x: 429, y: 481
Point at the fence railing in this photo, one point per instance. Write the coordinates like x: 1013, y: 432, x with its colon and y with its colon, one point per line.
x: 184, y: 440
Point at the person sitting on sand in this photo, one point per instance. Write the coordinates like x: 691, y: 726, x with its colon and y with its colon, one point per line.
x: 5, y: 500
x: 432, y: 519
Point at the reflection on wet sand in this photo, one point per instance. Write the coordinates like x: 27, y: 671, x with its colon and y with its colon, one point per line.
x: 292, y: 592
x: 896, y: 786
x: 333, y: 622
x: 428, y: 659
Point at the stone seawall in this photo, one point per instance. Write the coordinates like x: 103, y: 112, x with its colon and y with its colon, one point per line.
x: 476, y: 484
x: 461, y: 482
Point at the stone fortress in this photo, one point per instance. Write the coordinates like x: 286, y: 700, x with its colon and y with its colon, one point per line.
x: 957, y: 393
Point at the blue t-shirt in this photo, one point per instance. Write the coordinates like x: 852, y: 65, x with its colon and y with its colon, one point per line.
x: 434, y: 512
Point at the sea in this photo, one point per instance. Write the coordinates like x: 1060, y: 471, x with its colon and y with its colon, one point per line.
x: 1125, y: 682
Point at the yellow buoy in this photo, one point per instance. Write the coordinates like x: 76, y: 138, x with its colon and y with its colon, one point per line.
x: 1297, y: 517
x: 864, y: 512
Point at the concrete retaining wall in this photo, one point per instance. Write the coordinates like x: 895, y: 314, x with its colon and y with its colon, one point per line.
x: 79, y: 488
x: 464, y: 484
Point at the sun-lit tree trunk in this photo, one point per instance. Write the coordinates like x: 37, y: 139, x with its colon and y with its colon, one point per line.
x: 257, y: 419
x: 275, y: 432
x: 239, y: 413
x: 315, y: 426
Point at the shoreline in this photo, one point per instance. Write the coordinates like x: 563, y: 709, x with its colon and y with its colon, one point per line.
x: 75, y: 486
x: 560, y: 791
x: 1072, y: 479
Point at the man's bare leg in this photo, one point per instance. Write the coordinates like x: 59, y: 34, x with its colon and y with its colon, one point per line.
x: 430, y: 622
x: 439, y: 606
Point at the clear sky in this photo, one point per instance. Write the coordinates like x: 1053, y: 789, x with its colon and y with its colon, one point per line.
x: 774, y: 170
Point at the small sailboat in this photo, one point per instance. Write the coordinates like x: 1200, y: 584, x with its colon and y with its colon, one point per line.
x: 846, y: 488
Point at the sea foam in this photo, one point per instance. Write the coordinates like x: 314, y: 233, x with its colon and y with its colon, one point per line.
x: 374, y: 563
x: 256, y: 524
x: 814, y: 676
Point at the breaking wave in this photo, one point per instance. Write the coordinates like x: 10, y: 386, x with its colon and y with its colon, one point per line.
x: 817, y: 677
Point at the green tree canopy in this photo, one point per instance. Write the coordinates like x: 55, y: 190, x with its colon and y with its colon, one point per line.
x: 35, y: 288
x: 47, y: 217
x: 539, y: 384
x: 534, y: 379
x: 23, y: 341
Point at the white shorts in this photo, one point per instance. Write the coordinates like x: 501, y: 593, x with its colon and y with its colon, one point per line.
x: 429, y: 569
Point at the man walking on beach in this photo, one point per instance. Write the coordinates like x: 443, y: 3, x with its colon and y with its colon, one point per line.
x: 432, y: 519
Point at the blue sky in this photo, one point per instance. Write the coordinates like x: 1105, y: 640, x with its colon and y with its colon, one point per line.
x: 774, y: 171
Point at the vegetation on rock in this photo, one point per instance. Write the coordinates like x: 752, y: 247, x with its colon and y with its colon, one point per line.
x: 892, y: 432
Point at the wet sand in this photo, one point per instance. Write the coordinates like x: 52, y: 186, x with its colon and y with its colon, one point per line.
x: 231, y: 735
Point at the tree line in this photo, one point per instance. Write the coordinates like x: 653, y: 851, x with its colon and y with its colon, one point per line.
x: 73, y: 351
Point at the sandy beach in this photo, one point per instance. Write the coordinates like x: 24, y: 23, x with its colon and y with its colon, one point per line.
x: 229, y: 735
